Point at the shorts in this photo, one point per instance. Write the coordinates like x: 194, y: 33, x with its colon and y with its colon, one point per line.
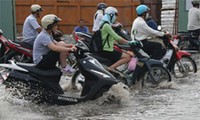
x: 48, y: 61
x: 113, y: 56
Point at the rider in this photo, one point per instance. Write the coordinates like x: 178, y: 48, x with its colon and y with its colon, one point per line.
x: 194, y: 22
x: 141, y: 31
x: 98, y: 16
x: 47, y: 51
x: 118, y: 58
x: 31, y: 28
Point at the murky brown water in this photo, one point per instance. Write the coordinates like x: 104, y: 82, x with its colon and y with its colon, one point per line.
x: 179, y: 102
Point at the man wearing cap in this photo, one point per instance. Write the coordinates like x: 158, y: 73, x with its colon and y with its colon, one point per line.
x: 31, y: 28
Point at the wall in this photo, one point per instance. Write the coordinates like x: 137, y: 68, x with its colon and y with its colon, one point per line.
x: 155, y: 9
x: 183, y: 16
x: 71, y: 11
x: 169, y: 16
x: 7, y: 21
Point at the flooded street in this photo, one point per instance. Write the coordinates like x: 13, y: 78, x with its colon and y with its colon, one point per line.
x: 179, y: 102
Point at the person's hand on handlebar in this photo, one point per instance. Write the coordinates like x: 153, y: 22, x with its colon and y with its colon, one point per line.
x: 73, y: 48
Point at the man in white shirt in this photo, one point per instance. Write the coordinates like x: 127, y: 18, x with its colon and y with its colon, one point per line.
x: 141, y: 31
x: 31, y: 28
x: 194, y: 23
x: 98, y: 16
x: 194, y: 16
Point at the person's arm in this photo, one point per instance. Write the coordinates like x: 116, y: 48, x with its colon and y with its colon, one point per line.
x: 35, y: 25
x: 64, y: 44
x: 148, y: 30
x: 116, y: 37
x: 56, y: 48
x: 39, y: 29
x: 198, y: 14
x: 87, y: 30
x: 75, y: 29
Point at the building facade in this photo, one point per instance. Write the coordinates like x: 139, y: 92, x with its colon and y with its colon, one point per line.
x: 71, y: 11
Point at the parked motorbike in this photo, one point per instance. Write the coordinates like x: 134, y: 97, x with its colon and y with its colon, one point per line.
x: 179, y: 62
x: 189, y: 42
x: 38, y: 85
x: 13, y: 50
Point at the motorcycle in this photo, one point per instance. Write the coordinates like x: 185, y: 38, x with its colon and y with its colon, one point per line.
x: 147, y: 70
x: 38, y: 85
x: 13, y: 50
x: 178, y: 62
x: 19, y: 52
x: 189, y: 42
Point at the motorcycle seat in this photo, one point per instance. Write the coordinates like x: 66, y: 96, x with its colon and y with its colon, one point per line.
x: 102, y: 60
x: 17, y: 41
x: 43, y: 73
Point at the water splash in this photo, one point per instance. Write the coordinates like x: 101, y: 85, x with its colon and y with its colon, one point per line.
x: 118, y: 93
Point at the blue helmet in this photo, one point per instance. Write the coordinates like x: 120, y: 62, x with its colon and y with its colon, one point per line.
x: 141, y: 9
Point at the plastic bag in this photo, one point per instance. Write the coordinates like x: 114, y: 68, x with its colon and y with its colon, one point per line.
x: 132, y: 64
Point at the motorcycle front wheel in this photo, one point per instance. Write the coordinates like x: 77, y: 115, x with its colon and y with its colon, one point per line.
x: 77, y: 80
x: 183, y: 67
x: 160, y: 74
x: 17, y: 57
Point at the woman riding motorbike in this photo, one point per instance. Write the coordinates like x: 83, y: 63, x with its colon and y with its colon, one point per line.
x: 109, y: 37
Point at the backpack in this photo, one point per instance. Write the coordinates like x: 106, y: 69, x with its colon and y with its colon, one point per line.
x: 96, y: 44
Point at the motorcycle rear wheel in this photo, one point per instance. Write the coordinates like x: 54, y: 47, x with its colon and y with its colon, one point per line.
x: 183, y: 67
x: 160, y: 74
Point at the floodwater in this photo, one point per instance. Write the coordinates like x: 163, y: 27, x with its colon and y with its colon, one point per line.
x: 179, y: 101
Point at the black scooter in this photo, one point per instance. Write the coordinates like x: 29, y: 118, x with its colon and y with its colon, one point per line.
x: 43, y: 86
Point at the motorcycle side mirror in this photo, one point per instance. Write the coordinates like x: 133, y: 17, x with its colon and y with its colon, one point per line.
x: 1, y: 32
x: 159, y: 27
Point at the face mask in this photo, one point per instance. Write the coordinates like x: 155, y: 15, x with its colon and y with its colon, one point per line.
x: 147, y: 15
x: 113, y: 19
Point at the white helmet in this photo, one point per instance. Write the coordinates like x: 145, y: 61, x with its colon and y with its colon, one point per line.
x: 195, y: 2
x: 111, y: 10
x: 112, y: 13
x: 48, y: 20
x: 36, y: 7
